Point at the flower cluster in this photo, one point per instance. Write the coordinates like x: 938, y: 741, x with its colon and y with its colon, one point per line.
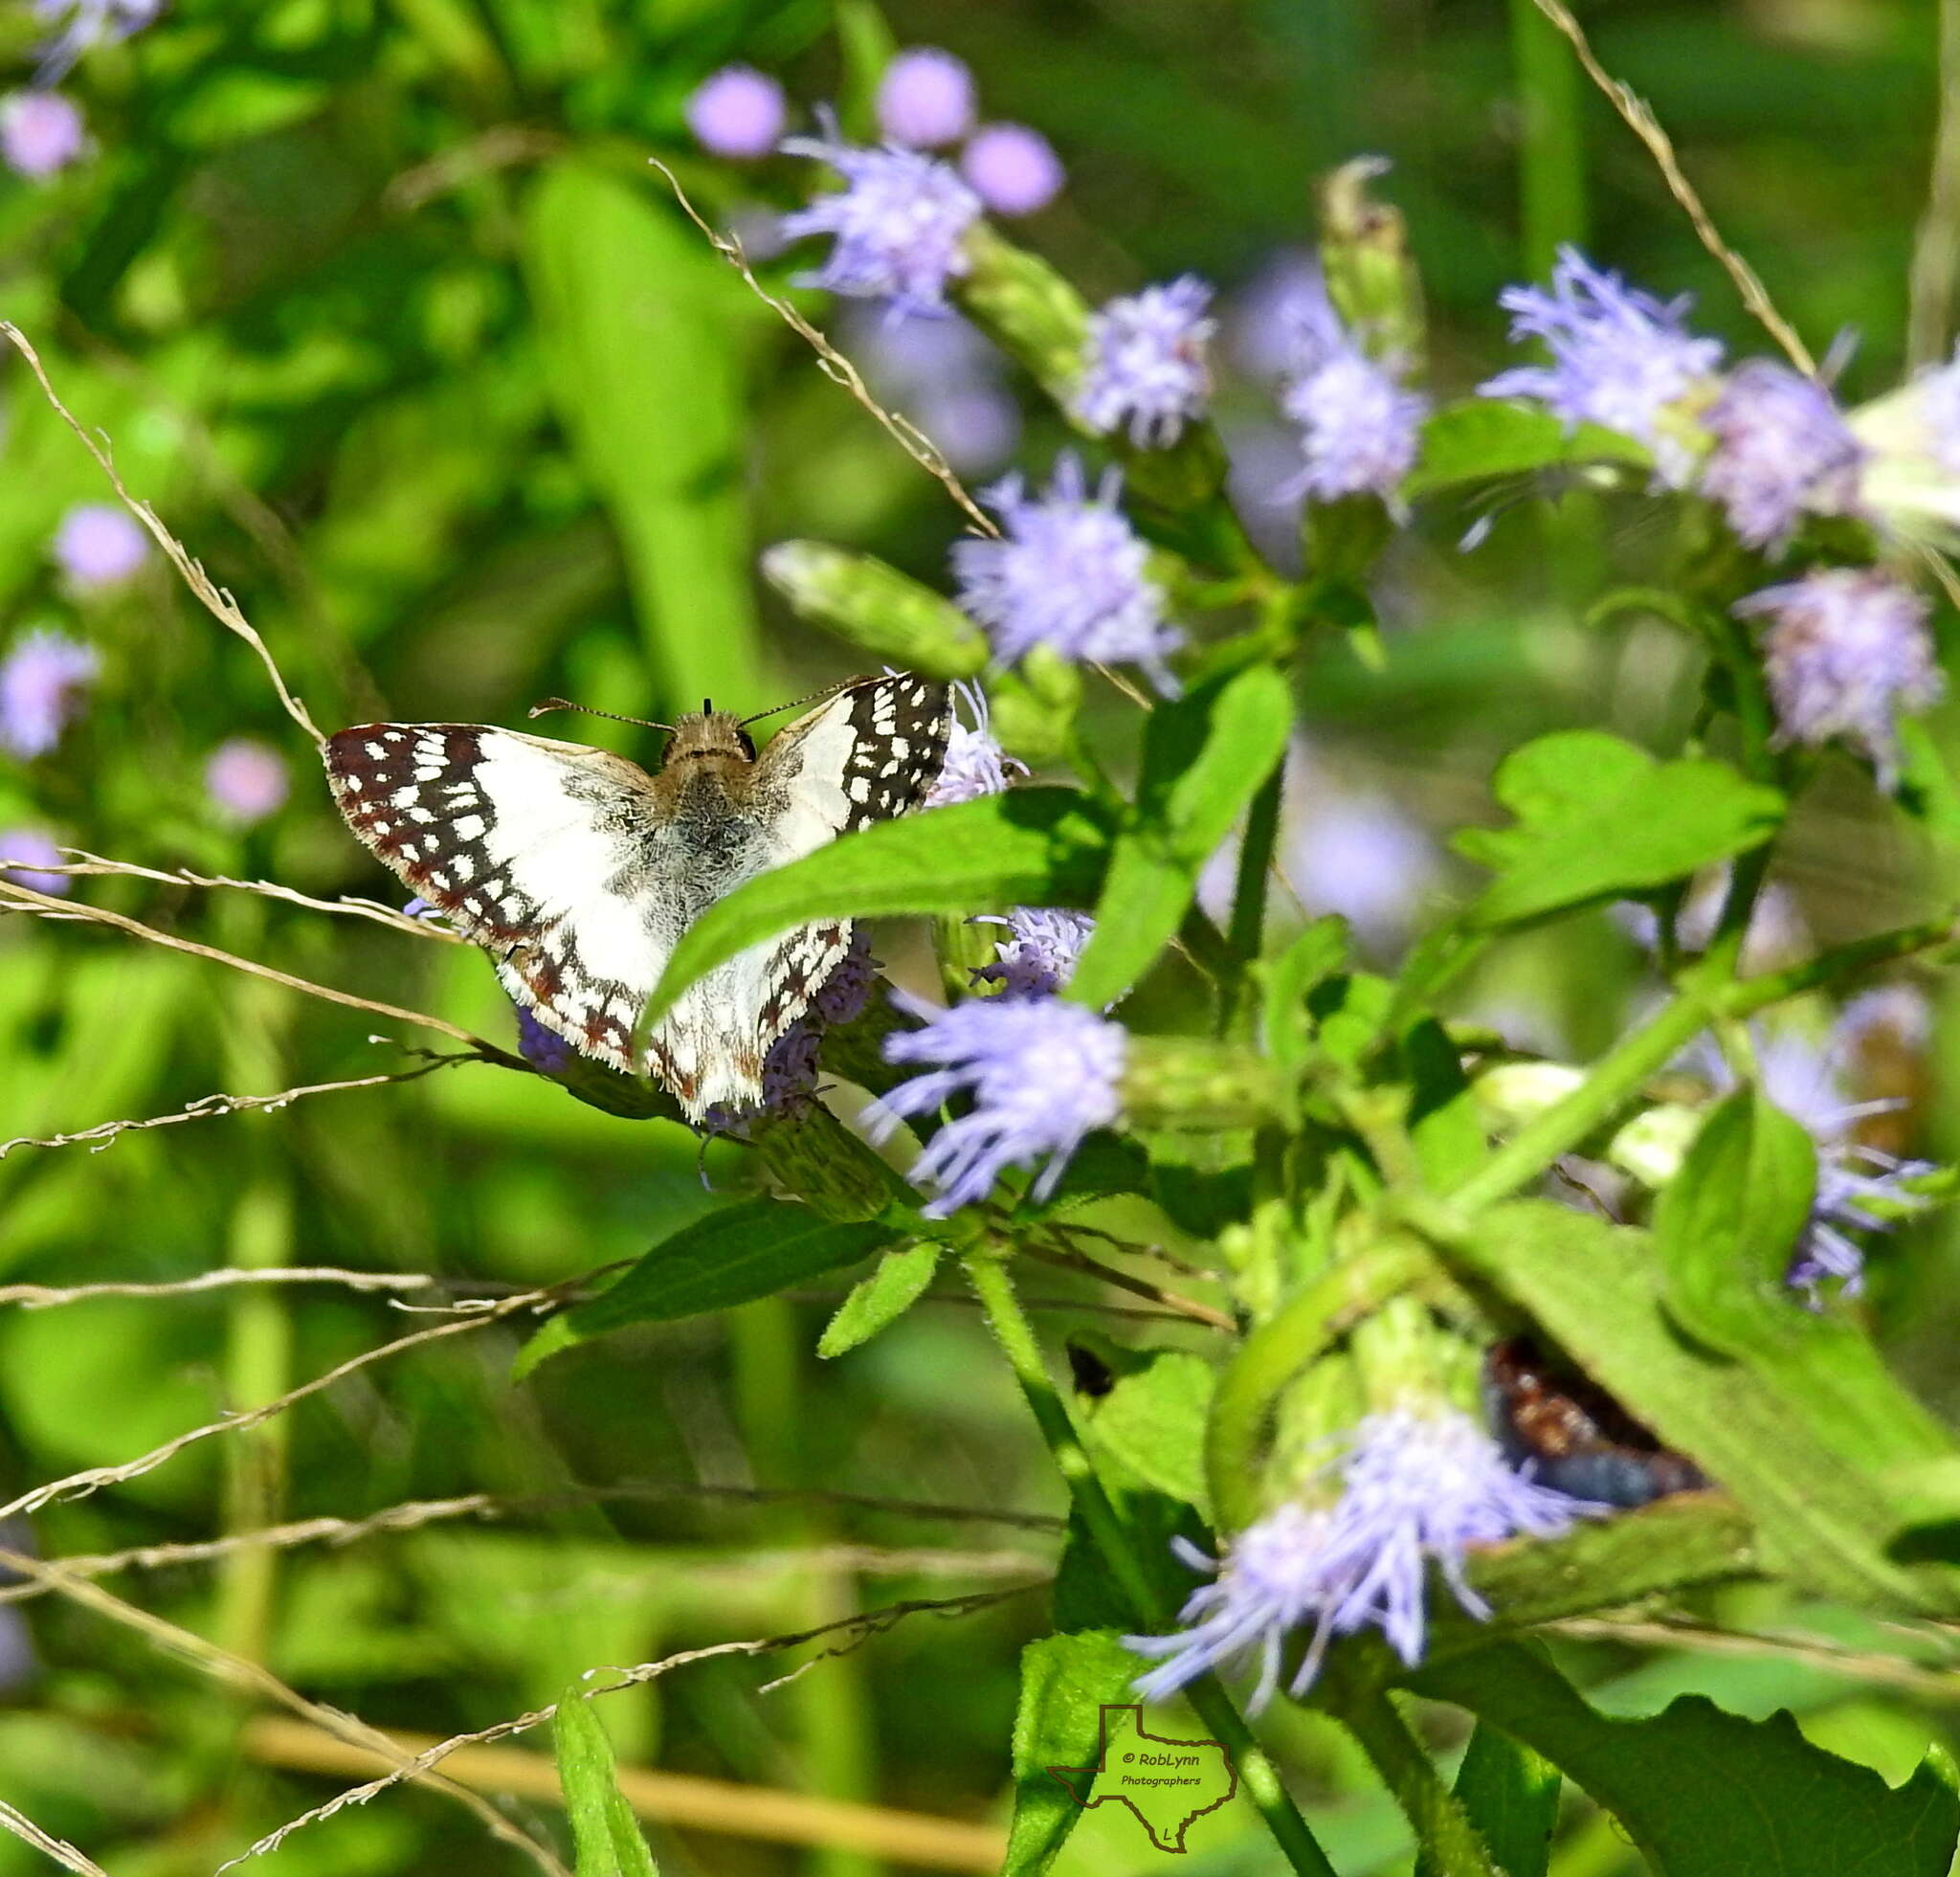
x: 947, y: 378
x: 247, y: 780
x: 975, y: 763
x: 1417, y: 1486
x: 1846, y: 651
x: 1145, y: 366
x: 1039, y: 955
x: 1069, y: 572
x: 99, y: 545
x: 35, y: 851
x: 43, y: 682
x: 1782, y: 449
x: 1360, y: 425
x: 1619, y: 358
x: 1042, y: 1076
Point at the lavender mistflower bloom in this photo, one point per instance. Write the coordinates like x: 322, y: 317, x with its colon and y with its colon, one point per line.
x: 1146, y: 363
x: 900, y: 224
x: 1940, y: 408
x: 1362, y: 425
x: 40, y: 132
x: 1846, y: 650
x: 1070, y: 573
x: 99, y: 544
x: 1361, y: 856
x: 1417, y: 1488
x: 544, y: 1050
x: 945, y: 377
x: 1042, y: 1076
x: 925, y: 99
x: 1266, y: 316
x: 247, y: 779
x: 1618, y: 356
x: 81, y: 24
x: 738, y: 113
x: 975, y: 764
x: 1039, y: 955
x: 1781, y: 451
x: 843, y: 995
x: 42, y: 682
x: 1015, y: 170
x: 33, y: 847
x: 789, y: 1071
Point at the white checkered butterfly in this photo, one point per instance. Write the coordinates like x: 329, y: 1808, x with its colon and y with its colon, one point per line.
x: 577, y: 871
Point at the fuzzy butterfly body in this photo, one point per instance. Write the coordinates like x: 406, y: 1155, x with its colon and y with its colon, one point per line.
x: 577, y: 871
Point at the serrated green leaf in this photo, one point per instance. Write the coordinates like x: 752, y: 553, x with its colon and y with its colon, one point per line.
x: 1597, y: 818
x: 1813, y: 1437
x: 733, y: 1256
x: 1066, y: 1681
x: 633, y: 316
x: 1727, y: 1223
x: 1706, y: 1794
x: 1152, y: 1421
x: 605, y: 1838
x: 1204, y: 759
x: 1026, y: 847
x: 1482, y: 438
x: 879, y: 1300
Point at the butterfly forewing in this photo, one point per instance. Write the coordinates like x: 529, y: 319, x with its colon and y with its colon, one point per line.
x: 578, y: 872
x: 540, y: 851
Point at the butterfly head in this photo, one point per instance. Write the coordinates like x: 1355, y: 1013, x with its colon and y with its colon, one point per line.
x: 708, y: 732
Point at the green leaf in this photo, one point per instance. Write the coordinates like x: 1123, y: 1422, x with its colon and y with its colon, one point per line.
x: 1729, y: 1219
x: 1026, y: 847
x: 874, y: 606
x: 1482, y: 439
x: 635, y: 314
x: 1285, y: 1027
x: 880, y: 1298
x: 1065, y: 1682
x: 1510, y: 1796
x: 733, y: 1256
x: 1598, y: 818
x: 1442, y: 1122
x: 605, y: 1836
x: 1152, y: 1421
x: 1204, y: 759
x: 1814, y: 1438
x: 1708, y: 1794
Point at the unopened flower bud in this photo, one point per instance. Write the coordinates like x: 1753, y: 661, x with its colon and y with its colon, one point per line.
x: 859, y: 598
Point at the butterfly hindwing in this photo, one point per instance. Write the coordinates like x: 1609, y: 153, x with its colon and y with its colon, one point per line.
x: 539, y: 851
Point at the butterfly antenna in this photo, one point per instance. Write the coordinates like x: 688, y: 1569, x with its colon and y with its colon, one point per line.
x: 550, y: 705
x: 796, y: 704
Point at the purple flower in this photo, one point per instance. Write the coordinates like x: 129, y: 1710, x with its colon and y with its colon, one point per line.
x: 1899, y: 1012
x: 544, y: 1050
x: 1015, y: 170
x: 42, y: 683
x: 1940, y: 410
x: 247, y: 779
x: 789, y: 1071
x: 1846, y: 650
x: 1069, y: 575
x: 1361, y: 856
x: 900, y: 224
x: 1618, y: 357
x: 975, y: 764
x: 843, y: 995
x: 925, y: 99
x: 80, y: 24
x: 1781, y: 451
x: 40, y: 132
x: 33, y: 847
x: 1265, y: 320
x: 99, y: 544
x: 1361, y: 425
x: 1146, y: 363
x: 1416, y: 1488
x: 1039, y: 953
x: 1042, y: 1076
x: 737, y: 113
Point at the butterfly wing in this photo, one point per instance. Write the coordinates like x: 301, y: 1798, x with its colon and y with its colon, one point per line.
x: 543, y: 853
x: 870, y: 753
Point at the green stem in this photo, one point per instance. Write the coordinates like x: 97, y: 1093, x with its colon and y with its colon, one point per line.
x: 1551, y: 148
x: 1277, y: 1351
x: 1449, y: 1844
x: 1215, y: 1707
x: 1246, y: 931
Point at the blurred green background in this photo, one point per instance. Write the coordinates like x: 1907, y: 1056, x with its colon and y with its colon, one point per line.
x: 383, y: 309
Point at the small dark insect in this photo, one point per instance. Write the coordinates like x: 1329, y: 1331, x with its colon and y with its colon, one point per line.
x: 1091, y: 1375
x: 1574, y: 1436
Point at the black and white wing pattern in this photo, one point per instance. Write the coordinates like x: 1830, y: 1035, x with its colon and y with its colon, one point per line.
x: 869, y: 753
x: 577, y: 872
x: 542, y: 852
